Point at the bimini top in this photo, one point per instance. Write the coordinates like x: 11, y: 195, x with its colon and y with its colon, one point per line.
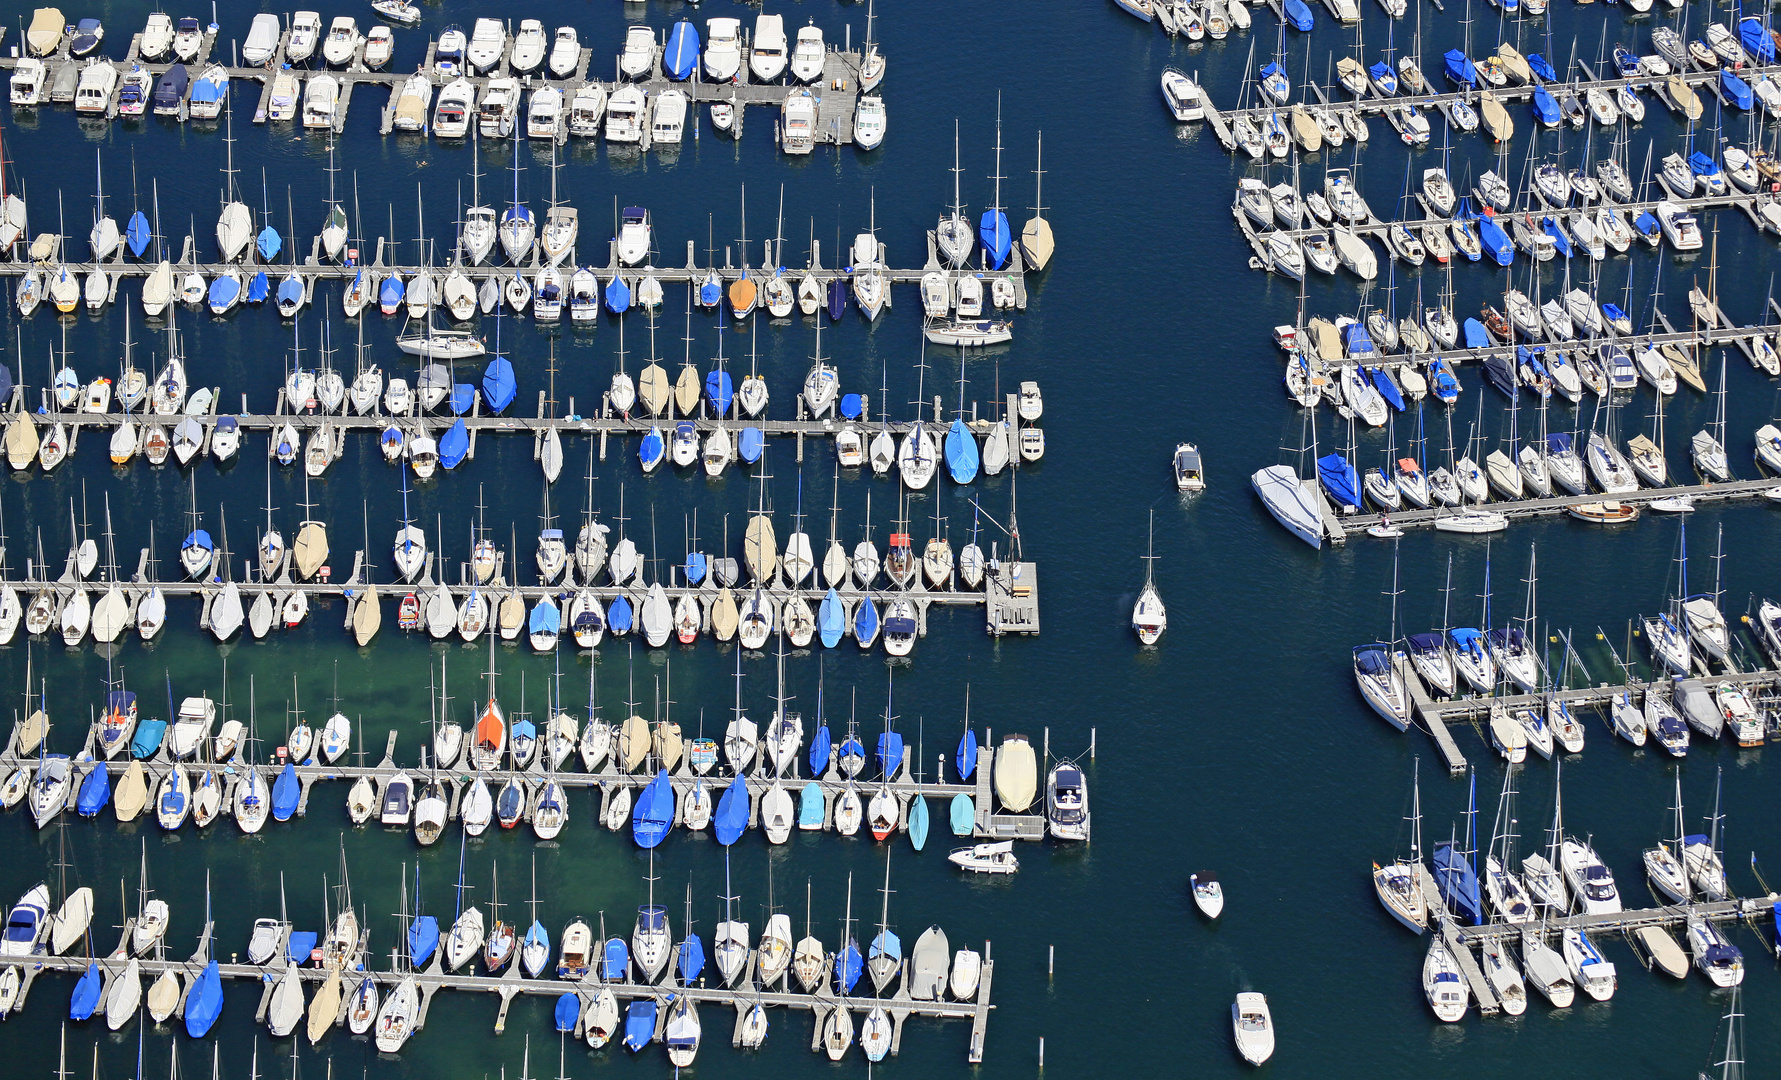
x: 1466, y: 638
x: 1370, y: 660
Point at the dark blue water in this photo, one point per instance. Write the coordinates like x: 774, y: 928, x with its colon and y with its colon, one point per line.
x: 1238, y: 745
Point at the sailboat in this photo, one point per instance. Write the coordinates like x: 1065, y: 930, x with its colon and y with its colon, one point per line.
x: 1663, y: 863
x: 992, y: 230
x: 1400, y: 885
x: 1149, y: 617
x: 1036, y: 244
x: 1455, y: 874
x: 953, y: 234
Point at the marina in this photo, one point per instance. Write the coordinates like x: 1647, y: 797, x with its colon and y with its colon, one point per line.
x: 708, y: 568
x: 839, y: 83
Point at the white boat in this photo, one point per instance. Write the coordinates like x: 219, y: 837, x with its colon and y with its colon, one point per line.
x: 1718, y: 959
x: 1253, y: 1027
x: 1290, y: 501
x: 997, y: 858
x: 1590, y: 880
x: 1442, y: 983
x: 1588, y: 968
x: 1207, y: 892
x: 767, y: 59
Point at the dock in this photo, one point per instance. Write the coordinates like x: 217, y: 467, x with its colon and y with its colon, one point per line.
x: 906, y: 782
x: 1520, y: 509
x: 315, y: 270
x: 898, y: 1004
x: 836, y: 89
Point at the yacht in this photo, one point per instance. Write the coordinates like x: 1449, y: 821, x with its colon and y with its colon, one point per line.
x: 1590, y: 880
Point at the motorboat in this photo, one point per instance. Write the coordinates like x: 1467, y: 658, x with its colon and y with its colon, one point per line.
x: 1253, y: 1027
x: 996, y: 858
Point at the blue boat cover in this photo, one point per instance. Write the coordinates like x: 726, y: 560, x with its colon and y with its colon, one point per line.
x: 993, y: 233
x: 147, y: 740
x: 820, y: 744
x: 1560, y: 241
x: 691, y: 959
x: 1647, y: 224
x: 696, y: 567
x: 546, y: 618
x: 1460, y: 68
x: 682, y: 54
x: 136, y: 234
x: 1494, y: 240
x: 1422, y: 643
x: 718, y: 390
x: 568, y: 1011
x: 224, y: 291
x: 1357, y: 343
x: 963, y: 815
x: 890, y: 752
x: 1477, y: 337
x: 299, y: 945
x: 749, y: 444
x: 198, y: 538
x: 1298, y: 14
x: 1459, y: 884
x: 95, y: 791
x: 852, y: 405
x: 85, y: 998
x: 732, y: 813
x: 209, y: 90
x: 1702, y: 165
x: 204, y: 1002
x: 1441, y: 377
x: 285, y: 792
x: 462, y: 398
x: 1756, y: 40
x: 1541, y: 68
x: 389, y: 294
x: 1545, y: 109
x: 1370, y: 660
x: 654, y: 812
x: 886, y: 943
x: 619, y: 616
x: 290, y: 290
x: 837, y: 299
x: 615, y: 961
x: 1382, y: 74
x: 1612, y: 311
x: 423, y: 938
x: 865, y: 622
x: 171, y: 89
x: 269, y: 243
x: 651, y: 450
x: 1734, y: 90
x: 847, y: 967
x: 1499, y: 374
x: 1336, y: 474
x: 810, y: 810
x: 1387, y: 387
x: 454, y: 445
x: 711, y: 291
x: 961, y: 454
x: 498, y: 387
x: 1558, y: 442
x: 965, y: 760
x: 831, y: 620
x: 259, y: 288
x: 640, y: 1023
x: 618, y: 296
x: 918, y: 822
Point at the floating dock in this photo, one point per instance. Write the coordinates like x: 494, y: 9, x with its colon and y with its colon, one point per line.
x: 903, y: 783
x: 899, y: 1004
x: 837, y: 89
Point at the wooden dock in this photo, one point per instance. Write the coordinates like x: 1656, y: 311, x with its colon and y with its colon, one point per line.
x: 1430, y: 716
